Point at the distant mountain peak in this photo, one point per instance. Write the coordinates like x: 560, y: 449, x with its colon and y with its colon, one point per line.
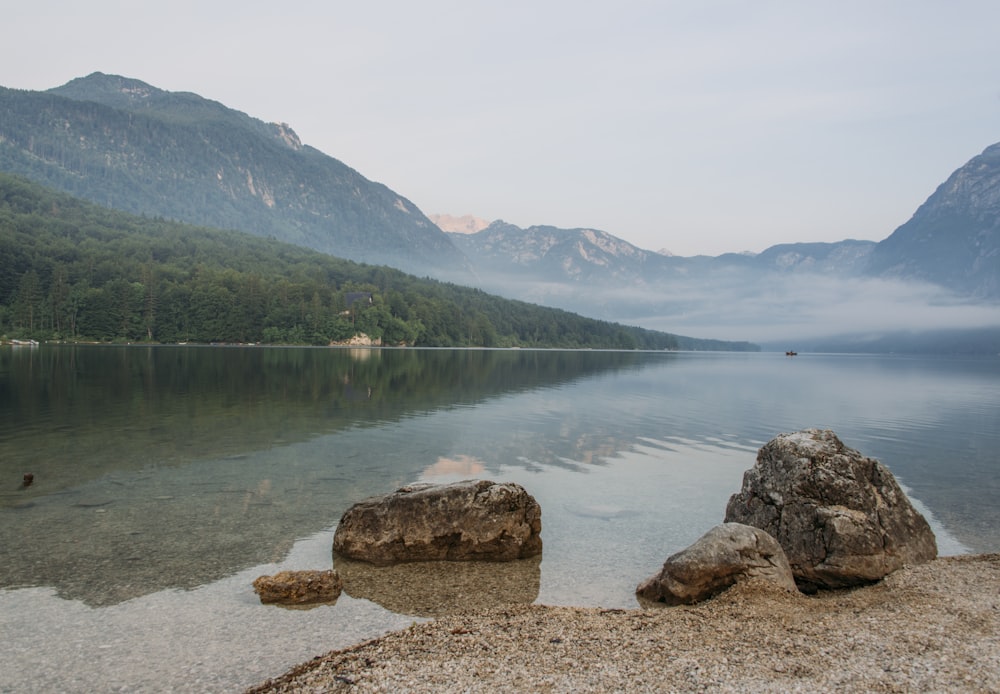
x: 466, y: 224
x: 103, y: 87
x: 134, y: 95
x: 577, y: 255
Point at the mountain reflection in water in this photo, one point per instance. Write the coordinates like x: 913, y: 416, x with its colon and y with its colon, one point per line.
x: 167, y: 478
x: 171, y: 467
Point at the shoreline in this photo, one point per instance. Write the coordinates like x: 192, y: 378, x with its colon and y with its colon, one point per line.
x: 932, y: 627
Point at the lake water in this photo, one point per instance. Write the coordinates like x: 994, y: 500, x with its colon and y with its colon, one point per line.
x: 167, y: 478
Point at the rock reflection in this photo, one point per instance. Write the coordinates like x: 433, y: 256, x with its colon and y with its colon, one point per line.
x: 433, y: 589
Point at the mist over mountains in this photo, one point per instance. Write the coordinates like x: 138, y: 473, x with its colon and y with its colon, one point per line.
x: 933, y: 282
x: 932, y: 285
x: 817, y: 296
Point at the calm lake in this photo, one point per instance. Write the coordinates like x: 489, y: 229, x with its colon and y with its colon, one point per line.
x: 167, y: 478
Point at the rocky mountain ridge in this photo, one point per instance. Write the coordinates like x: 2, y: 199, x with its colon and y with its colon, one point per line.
x: 952, y: 240
x: 589, y: 255
x: 126, y: 144
x: 466, y: 224
x: 932, y: 285
x: 545, y: 252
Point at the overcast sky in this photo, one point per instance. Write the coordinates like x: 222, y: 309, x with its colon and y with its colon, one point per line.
x: 697, y: 127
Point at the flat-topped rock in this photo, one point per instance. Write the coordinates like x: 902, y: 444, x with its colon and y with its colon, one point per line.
x: 841, y: 517
x: 299, y: 587
x: 471, y: 520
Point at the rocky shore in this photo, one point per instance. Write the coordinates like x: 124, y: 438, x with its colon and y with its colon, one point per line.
x: 932, y: 627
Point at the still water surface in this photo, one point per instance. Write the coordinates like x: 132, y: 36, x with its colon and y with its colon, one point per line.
x: 168, y: 478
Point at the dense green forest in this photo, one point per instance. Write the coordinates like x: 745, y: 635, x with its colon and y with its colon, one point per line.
x: 71, y: 270
x: 124, y: 144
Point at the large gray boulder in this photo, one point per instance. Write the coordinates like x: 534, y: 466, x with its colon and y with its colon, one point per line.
x: 725, y: 555
x: 841, y: 517
x: 471, y: 520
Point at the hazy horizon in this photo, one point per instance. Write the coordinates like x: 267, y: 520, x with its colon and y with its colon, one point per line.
x: 699, y: 128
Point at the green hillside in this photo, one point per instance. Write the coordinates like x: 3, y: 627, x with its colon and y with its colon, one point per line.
x: 124, y: 144
x: 70, y: 270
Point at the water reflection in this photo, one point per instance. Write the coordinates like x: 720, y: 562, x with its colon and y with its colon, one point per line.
x: 201, y: 462
x: 432, y: 589
x: 167, y: 479
x: 69, y: 414
x: 463, y: 466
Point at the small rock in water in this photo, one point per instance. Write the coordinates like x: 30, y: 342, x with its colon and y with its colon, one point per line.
x: 299, y: 587
x: 28, y: 479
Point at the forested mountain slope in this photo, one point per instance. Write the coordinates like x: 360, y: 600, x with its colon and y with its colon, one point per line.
x: 73, y: 270
x: 125, y: 144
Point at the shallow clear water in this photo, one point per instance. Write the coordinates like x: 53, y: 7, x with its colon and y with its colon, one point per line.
x: 168, y: 478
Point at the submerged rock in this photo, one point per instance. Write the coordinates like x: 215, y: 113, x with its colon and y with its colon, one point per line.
x: 841, y: 517
x: 436, y: 588
x: 299, y: 587
x: 470, y: 520
x: 725, y: 555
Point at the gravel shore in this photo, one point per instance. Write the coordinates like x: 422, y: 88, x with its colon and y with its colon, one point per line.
x: 933, y: 627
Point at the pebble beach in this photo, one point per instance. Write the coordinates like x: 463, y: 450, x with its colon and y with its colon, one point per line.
x: 932, y: 627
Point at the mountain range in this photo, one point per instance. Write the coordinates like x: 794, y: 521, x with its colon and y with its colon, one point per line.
x: 122, y: 143
x: 932, y: 285
x: 125, y: 144
x: 953, y: 241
